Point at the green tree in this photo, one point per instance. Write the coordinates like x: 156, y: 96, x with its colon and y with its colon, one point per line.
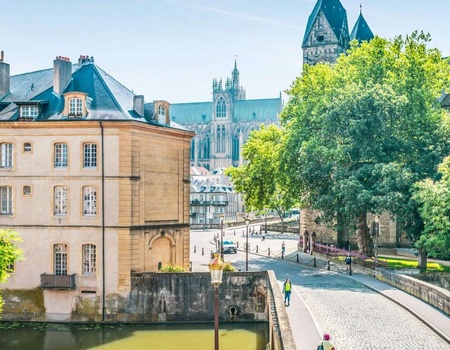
x: 433, y: 198
x: 261, y: 180
x: 361, y: 132
x: 9, y: 253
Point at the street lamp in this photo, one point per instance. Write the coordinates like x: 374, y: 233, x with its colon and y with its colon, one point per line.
x: 221, y: 235
x: 247, y: 221
x: 376, y: 229
x: 216, y: 269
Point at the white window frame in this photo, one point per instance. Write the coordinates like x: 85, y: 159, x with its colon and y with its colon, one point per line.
x: 161, y: 114
x: 6, y: 200
x: 60, y: 200
x: 29, y: 112
x: 89, y: 201
x: 221, y: 108
x: 89, y: 256
x: 61, y: 155
x: 7, y: 155
x: 89, y: 155
x: 60, y: 259
x: 76, y: 106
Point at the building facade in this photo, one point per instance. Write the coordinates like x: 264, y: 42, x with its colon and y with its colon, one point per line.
x: 223, y: 125
x: 95, y: 181
x: 213, y: 199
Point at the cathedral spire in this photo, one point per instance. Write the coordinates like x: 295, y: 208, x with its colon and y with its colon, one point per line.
x: 361, y: 31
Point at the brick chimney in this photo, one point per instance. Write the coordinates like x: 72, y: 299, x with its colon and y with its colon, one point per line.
x: 62, y: 73
x: 85, y: 58
x: 4, y: 75
x: 138, y: 104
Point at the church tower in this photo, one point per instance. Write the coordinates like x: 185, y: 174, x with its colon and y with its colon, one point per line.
x: 326, y: 35
x: 223, y: 108
x: 361, y: 30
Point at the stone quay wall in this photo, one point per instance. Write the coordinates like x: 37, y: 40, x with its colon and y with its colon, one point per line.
x: 436, y: 296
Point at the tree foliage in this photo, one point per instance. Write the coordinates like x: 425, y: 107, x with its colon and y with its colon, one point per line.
x: 261, y: 180
x: 9, y: 253
x: 433, y: 198
x: 361, y: 132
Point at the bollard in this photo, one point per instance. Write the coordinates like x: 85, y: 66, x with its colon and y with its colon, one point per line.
x: 237, y: 244
x: 328, y: 263
x: 315, y: 263
x: 297, y: 258
x: 203, y: 251
x: 350, y: 270
x: 195, y: 248
x: 269, y: 251
x: 282, y: 255
x: 257, y: 249
x: 234, y: 232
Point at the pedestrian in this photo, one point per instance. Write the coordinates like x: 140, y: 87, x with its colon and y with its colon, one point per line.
x: 348, y: 262
x: 326, y: 343
x: 287, y: 287
x: 283, y: 248
x: 263, y: 236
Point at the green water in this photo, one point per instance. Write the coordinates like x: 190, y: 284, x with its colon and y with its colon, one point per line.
x: 46, y: 336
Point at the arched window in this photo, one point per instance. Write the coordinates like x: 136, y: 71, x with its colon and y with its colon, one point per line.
x: 60, y: 200
x: 218, y: 134
x: 235, y: 147
x: 222, y: 139
x: 206, y: 146
x: 60, y: 259
x: 89, y: 259
x: 6, y: 200
x: 192, y: 149
x: 221, y: 108
x: 89, y: 201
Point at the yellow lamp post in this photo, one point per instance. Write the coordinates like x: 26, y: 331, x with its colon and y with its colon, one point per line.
x: 216, y: 269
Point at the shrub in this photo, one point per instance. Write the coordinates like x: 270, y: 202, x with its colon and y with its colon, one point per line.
x: 171, y: 268
x: 228, y: 267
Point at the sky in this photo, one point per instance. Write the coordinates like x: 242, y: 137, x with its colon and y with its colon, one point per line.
x: 173, y: 49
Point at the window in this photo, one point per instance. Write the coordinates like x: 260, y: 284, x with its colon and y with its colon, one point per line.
x: 60, y: 200
x: 6, y: 200
x: 162, y: 114
x: 90, y: 155
x: 6, y: 150
x: 221, y: 108
x: 89, y: 201
x: 27, y: 147
x: 60, y: 259
x: 29, y: 112
x: 75, y: 107
x: 61, y: 155
x: 89, y: 259
x: 26, y: 190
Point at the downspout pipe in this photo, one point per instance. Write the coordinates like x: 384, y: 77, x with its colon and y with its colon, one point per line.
x: 103, y: 221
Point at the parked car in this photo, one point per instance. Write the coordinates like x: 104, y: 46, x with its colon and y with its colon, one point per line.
x: 229, y: 246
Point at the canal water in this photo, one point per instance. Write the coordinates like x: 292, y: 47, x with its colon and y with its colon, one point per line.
x: 56, y: 336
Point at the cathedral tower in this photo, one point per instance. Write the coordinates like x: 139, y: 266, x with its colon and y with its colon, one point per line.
x: 326, y: 35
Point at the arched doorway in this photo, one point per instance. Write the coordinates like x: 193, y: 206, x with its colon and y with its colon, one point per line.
x: 160, y: 251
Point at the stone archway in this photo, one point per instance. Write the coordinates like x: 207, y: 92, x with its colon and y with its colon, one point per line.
x: 161, y: 250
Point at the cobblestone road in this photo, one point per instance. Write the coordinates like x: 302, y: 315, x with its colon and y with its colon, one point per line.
x: 358, y: 317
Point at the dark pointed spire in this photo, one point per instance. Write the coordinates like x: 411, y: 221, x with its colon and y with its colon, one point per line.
x: 361, y: 31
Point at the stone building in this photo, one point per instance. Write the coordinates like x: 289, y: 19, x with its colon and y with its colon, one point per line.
x: 95, y: 181
x: 326, y: 37
x: 223, y: 125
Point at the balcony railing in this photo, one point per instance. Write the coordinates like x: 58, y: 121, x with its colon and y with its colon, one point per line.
x: 57, y: 281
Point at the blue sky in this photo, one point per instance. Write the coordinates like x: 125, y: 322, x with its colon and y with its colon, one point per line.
x: 172, y: 49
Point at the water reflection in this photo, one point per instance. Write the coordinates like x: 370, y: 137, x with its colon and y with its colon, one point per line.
x: 45, y: 336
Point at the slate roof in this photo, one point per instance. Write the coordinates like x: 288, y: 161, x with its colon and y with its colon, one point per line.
x: 244, y: 111
x: 106, y: 97
x: 361, y: 30
x: 335, y: 14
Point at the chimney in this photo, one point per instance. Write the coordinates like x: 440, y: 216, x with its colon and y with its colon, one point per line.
x: 4, y: 75
x: 62, y: 73
x: 85, y: 58
x: 138, y: 104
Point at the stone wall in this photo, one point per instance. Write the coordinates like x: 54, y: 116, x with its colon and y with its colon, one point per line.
x: 438, y: 297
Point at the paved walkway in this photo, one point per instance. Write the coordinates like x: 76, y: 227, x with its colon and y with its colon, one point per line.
x: 323, y: 292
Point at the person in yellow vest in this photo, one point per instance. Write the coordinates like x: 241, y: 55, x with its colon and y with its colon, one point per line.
x: 326, y: 343
x: 287, y: 292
